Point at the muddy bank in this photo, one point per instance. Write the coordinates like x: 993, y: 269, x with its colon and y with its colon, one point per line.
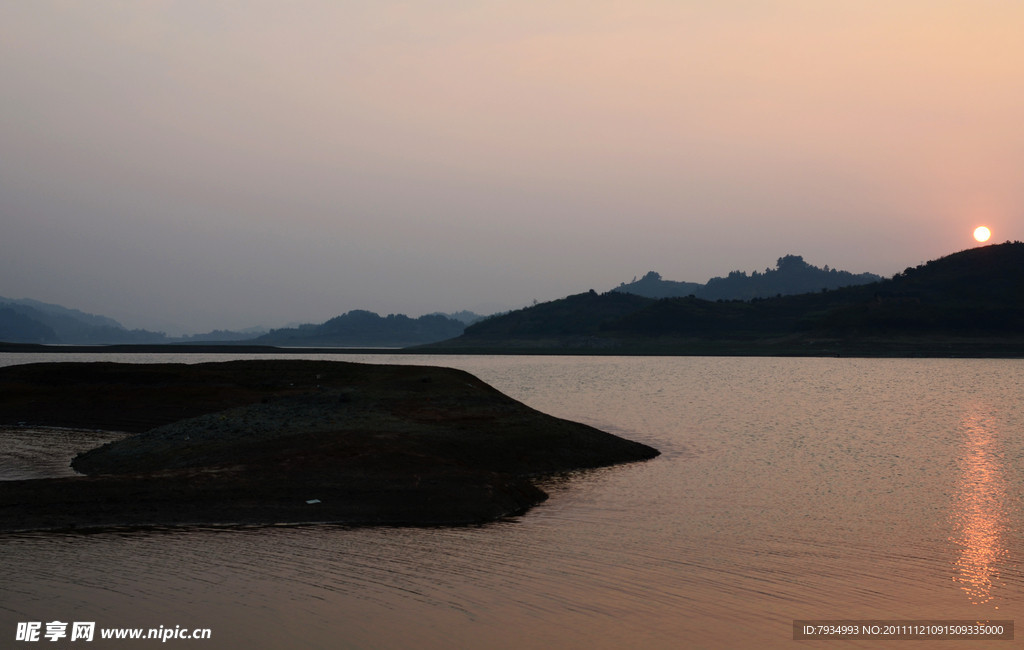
x: 289, y: 441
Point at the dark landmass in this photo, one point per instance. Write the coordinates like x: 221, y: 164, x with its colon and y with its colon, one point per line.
x: 359, y: 328
x: 31, y: 321
x: 15, y: 325
x: 166, y: 348
x: 791, y: 276
x: 288, y: 441
x: 966, y: 304
x: 220, y: 336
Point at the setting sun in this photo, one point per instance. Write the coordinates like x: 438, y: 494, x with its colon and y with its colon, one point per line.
x: 981, y: 233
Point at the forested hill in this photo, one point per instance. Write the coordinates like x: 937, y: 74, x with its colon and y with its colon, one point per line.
x: 977, y: 294
x: 360, y: 328
x: 556, y: 322
x: 31, y: 321
x: 792, y: 275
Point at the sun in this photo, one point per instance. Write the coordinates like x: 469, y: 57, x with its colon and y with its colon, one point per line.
x: 981, y: 233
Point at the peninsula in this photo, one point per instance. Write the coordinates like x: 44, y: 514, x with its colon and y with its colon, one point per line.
x: 286, y: 442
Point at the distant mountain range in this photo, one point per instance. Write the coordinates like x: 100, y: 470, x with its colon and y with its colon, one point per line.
x: 970, y: 302
x: 31, y: 321
x: 791, y: 276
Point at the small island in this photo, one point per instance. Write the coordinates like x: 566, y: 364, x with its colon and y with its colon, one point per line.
x: 264, y: 442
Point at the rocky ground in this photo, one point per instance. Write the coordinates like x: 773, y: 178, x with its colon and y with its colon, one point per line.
x: 289, y: 441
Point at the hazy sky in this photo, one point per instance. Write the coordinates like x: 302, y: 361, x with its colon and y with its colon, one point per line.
x: 199, y: 164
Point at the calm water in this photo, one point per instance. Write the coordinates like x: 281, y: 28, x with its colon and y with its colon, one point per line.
x: 787, y: 489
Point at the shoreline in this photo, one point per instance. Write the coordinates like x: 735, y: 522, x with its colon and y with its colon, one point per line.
x: 94, y: 504
x: 284, y: 441
x: 870, y: 348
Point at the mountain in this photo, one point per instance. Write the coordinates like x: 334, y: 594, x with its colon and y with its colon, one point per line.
x: 18, y: 327
x: 970, y: 302
x: 653, y: 286
x: 792, y: 275
x: 361, y: 328
x: 465, y: 316
x: 574, y: 319
x: 31, y: 321
x: 57, y: 311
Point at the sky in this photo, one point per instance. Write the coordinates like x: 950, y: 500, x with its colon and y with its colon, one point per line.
x: 197, y: 164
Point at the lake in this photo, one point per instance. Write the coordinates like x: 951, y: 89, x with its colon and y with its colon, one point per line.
x: 787, y: 489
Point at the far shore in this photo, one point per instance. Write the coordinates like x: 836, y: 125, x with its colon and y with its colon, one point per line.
x: 906, y: 347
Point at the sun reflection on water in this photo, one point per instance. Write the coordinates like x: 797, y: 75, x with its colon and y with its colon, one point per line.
x: 978, y: 514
